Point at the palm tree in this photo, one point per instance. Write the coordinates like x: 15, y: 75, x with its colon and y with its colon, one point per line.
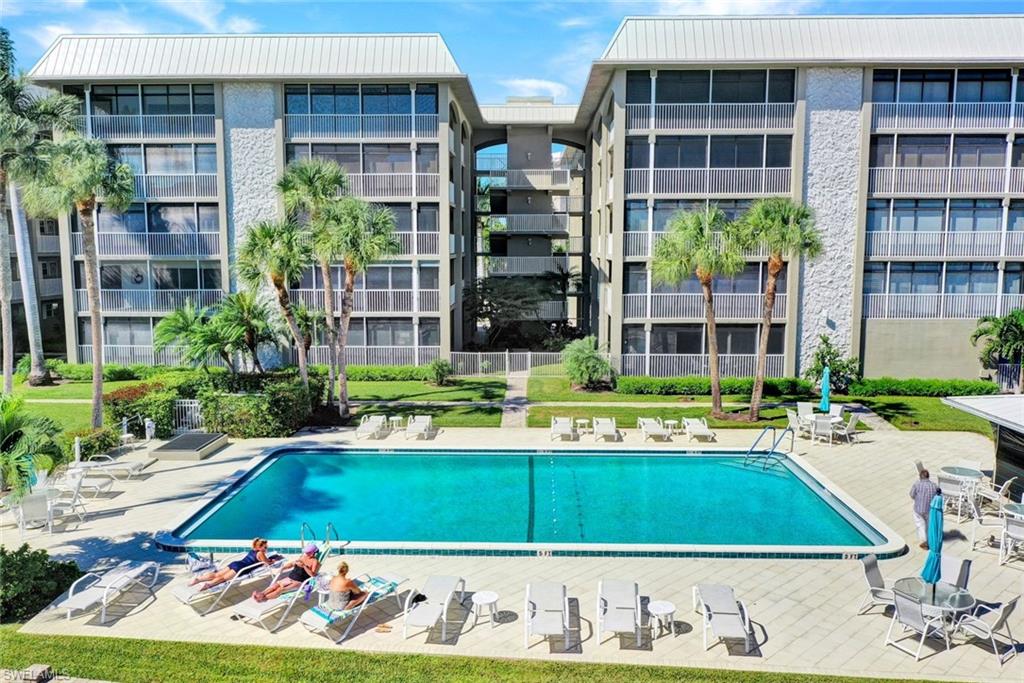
x: 308, y: 319
x: 364, y: 233
x: 785, y: 230
x: 73, y: 172
x: 276, y: 254
x: 307, y: 187
x: 214, y: 339
x: 178, y: 329
x: 23, y: 116
x: 1004, y: 340
x: 25, y: 440
x: 692, y: 246
x: 244, y: 311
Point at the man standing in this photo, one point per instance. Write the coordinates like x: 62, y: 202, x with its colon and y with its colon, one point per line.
x: 922, y: 492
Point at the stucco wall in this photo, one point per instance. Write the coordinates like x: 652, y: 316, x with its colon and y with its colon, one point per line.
x: 831, y: 189
x: 920, y: 348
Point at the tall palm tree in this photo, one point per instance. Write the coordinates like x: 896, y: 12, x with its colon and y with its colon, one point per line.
x: 364, y: 233
x: 179, y: 328
x: 785, y: 230
x: 276, y: 254
x: 1004, y: 340
x: 72, y: 173
x: 24, y: 440
x: 308, y: 319
x: 247, y: 313
x: 24, y: 115
x: 691, y: 246
x: 307, y: 187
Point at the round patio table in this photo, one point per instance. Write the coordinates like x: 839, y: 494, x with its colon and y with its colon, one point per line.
x: 1015, y: 509
x: 944, y: 597
x: 968, y: 473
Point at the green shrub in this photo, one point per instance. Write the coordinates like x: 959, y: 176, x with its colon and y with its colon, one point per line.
x: 891, y: 386
x: 153, y: 401
x: 387, y: 373
x: 94, y: 442
x: 114, y: 372
x: 440, y: 371
x: 585, y: 365
x: 31, y: 582
x: 74, y: 372
x: 842, y: 371
x: 281, y: 409
x: 185, y: 382
x: 697, y: 385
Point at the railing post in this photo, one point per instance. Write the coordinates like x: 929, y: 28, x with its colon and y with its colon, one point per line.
x: 88, y: 111
x: 508, y: 361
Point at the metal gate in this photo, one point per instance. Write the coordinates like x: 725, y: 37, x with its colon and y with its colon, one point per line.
x: 188, y: 417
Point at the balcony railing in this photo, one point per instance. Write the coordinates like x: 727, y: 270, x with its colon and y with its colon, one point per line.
x: 372, y: 185
x: 567, y: 203
x: 418, y: 243
x: 775, y: 116
x: 142, y: 126
x: 746, y: 181
x: 553, y: 310
x: 48, y: 244
x: 940, y: 244
x: 948, y: 306
x: 640, y: 244
x: 680, y: 365
x: 151, y: 244
x: 1011, y: 302
x: 356, y: 126
x: 1016, y: 184
x: 529, y: 222
x: 176, y: 186
x: 940, y: 115
x: 524, y: 265
x: 375, y: 300
x: 533, y: 178
x: 128, y: 355
x: 163, y: 300
x: 915, y: 181
x: 743, y: 306
x: 51, y: 287
x: 379, y: 355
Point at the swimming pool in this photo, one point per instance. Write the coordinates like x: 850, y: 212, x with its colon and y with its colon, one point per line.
x: 574, y: 502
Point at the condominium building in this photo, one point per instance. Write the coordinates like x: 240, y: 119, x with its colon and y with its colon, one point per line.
x: 49, y: 290
x: 904, y: 135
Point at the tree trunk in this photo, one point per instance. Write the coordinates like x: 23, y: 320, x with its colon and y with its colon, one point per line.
x: 775, y: 265
x: 332, y: 353
x: 716, y: 375
x: 6, y: 292
x: 286, y: 309
x: 38, y: 374
x: 346, y: 317
x: 86, y: 214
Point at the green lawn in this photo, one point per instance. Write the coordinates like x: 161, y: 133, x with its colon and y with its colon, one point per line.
x: 444, y: 416
x: 923, y: 413
x: 539, y: 389
x: 130, y: 661
x: 70, y: 416
x: 462, y: 389
x: 68, y: 390
x: 626, y: 417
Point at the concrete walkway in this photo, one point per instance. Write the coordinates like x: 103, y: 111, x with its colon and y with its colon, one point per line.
x: 513, y: 410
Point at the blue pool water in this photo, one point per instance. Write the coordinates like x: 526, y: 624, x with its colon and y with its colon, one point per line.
x: 528, y: 498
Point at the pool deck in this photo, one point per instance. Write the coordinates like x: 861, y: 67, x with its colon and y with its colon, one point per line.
x: 804, y: 611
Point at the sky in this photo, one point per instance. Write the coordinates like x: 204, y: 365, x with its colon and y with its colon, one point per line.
x: 508, y: 47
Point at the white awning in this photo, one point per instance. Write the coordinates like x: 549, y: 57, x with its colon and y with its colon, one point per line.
x: 1006, y: 410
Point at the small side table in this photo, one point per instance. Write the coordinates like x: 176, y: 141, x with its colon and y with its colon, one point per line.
x: 488, y: 599
x: 582, y: 425
x: 664, y: 611
x: 396, y: 423
x: 672, y: 426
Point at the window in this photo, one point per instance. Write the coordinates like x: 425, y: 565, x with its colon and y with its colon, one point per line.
x: 387, y: 159
x: 636, y: 215
x: 782, y: 85
x: 294, y: 152
x: 664, y: 209
x: 115, y: 99
x: 206, y: 158
x: 983, y: 85
x: 733, y: 208
x: 634, y: 278
x: 133, y: 219
x: 1017, y: 153
x: 334, y: 99
x: 170, y: 276
x: 634, y: 339
x: 388, y: 332
x: 128, y: 154
x: 922, y: 151
x: 296, y: 99
x: 78, y: 92
x: 1016, y: 215
x: 736, y: 151
x: 209, y: 276
x: 883, y: 87
x: 680, y: 152
x: 683, y: 87
x: 778, y: 150
x: 51, y: 309
x: 638, y: 87
x: 918, y: 215
x: 202, y: 99
x: 880, y: 152
x: 971, y: 278
x: 877, y: 219
x: 166, y: 99
x: 111, y: 277
x: 689, y: 285
x: 874, y: 278
x: 46, y: 226
x: 346, y: 156
x: 430, y: 277
x: 738, y: 86
x: 426, y: 98
x: 121, y: 331
x: 638, y: 152
x: 430, y: 332
x: 737, y: 339
x: 687, y: 339
x: 387, y: 99
x: 403, y: 216
x: 169, y: 159
x: 915, y: 278
x: 747, y: 281
x: 49, y: 269
x: 172, y: 218
x: 917, y: 85
x: 979, y: 150
x: 975, y: 215
x: 1013, y: 278
x: 209, y: 218
x: 426, y: 159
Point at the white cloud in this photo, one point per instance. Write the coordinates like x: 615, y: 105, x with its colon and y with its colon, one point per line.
x: 573, y: 63
x: 530, y: 87
x: 575, y: 22
x: 207, y: 14
x: 92, y: 22
x: 735, y: 6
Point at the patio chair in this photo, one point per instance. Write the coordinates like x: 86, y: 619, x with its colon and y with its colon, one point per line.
x: 69, y: 501
x: 256, y: 613
x: 723, y: 615
x: 372, y: 426
x: 805, y: 411
x: 562, y: 427
x: 605, y: 427
x: 878, y: 593
x: 34, y: 510
x: 995, y: 495
x: 821, y: 429
x: 114, y: 468
x: 954, y: 570
x: 546, y: 612
x: 96, y: 485
x: 697, y: 428
x: 194, y: 594
x: 988, y: 622
x: 953, y: 494
x: 618, y: 608
x: 910, y: 616
x: 419, y: 425
x: 799, y: 427
x: 836, y: 410
x: 102, y: 589
x: 1011, y: 539
x: 980, y: 523
x: 321, y: 619
x: 438, y: 592
x: 849, y: 430
x: 653, y: 428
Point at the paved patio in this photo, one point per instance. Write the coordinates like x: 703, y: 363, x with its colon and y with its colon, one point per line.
x: 804, y: 611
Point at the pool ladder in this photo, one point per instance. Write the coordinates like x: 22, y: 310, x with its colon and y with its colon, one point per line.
x: 769, y: 457
x: 329, y: 533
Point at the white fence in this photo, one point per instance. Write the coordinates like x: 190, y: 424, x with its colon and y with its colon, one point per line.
x: 704, y: 116
x: 957, y: 180
x: 930, y: 115
x: 756, y: 181
x: 139, y: 126
x: 176, y: 185
x: 374, y: 185
x: 151, y: 244
x: 188, y: 416
x: 355, y: 126
x: 653, y: 364
x: 948, y: 306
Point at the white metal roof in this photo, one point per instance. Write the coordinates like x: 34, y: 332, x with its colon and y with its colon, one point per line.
x: 553, y: 114
x: 819, y: 39
x: 1006, y: 410
x: 258, y: 56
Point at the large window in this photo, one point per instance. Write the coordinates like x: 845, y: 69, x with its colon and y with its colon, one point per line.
x: 387, y: 159
x: 175, y: 276
x: 917, y: 85
x: 877, y: 218
x: 983, y: 85
x: 1016, y: 215
x: 680, y: 151
x: 638, y: 152
x: 740, y: 86
x: 430, y: 276
x: 426, y: 159
x: 132, y: 219
x: 880, y: 153
x: 918, y: 215
x: 426, y: 98
x: 166, y: 99
x: 169, y: 159
x: 636, y: 215
x: 971, y: 278
x: 634, y: 278
x: 975, y: 215
x: 747, y: 281
x: 638, y: 87
x: 737, y: 339
x: 915, y: 278
x: 634, y: 339
x: 426, y: 218
x: 883, y: 87
x: 732, y: 208
x: 403, y: 216
x: 173, y: 218
x: 664, y: 209
x: 389, y: 332
x: 683, y: 87
x: 115, y: 99
x: 874, y: 278
x: 736, y: 151
x: 782, y: 85
x: 120, y: 331
x: 979, y: 150
x: 922, y: 151
x: 1013, y: 278
x: 202, y: 99
x: 334, y: 99
x: 346, y: 156
x: 778, y: 151
x: 296, y: 99
x: 128, y: 154
x: 387, y: 99
x: 687, y: 339
x: 430, y: 332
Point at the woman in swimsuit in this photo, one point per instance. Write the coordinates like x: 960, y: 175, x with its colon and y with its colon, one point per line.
x: 252, y: 559
x: 300, y: 569
x: 345, y: 593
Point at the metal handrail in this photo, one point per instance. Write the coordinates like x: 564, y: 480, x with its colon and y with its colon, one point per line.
x: 769, y: 457
x: 748, y: 457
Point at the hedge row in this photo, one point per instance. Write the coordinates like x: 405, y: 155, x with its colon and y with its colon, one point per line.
x: 697, y: 385
x: 94, y: 442
x: 387, y: 373
x: 278, y: 410
x: 891, y: 386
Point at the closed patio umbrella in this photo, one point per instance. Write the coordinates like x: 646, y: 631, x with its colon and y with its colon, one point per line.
x: 932, y: 570
x: 826, y: 380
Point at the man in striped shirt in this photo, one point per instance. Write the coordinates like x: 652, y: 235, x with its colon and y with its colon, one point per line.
x: 922, y: 492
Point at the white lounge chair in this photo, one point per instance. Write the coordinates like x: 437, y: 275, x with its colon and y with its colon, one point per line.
x: 438, y: 592
x: 836, y: 410
x: 954, y: 570
x: 419, y: 425
x: 69, y: 501
x: 102, y: 589
x: 604, y: 427
x: 115, y: 468
x: 879, y: 594
x: 821, y: 429
x: 546, y: 612
x: 986, y: 622
x: 723, y: 614
x: 96, y: 485
x: 256, y: 613
x: 805, y: 411
x: 372, y: 426
x: 34, y: 511
x: 618, y: 608
x: 697, y: 428
x: 194, y: 594
x: 321, y: 618
x: 995, y: 495
x: 653, y: 428
x: 799, y: 427
x: 910, y: 615
x: 1011, y: 539
x: 849, y: 430
x: 562, y: 427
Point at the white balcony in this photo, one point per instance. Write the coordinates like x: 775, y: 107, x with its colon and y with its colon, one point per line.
x: 639, y: 244
x: 945, y: 306
x: 532, y: 178
x: 51, y: 287
x: 359, y: 126
x: 375, y: 185
x: 676, y: 181
x: 176, y: 186
x: 378, y: 355
x: 159, y: 300
x: 686, y: 306
x: 412, y: 243
x: 1011, y: 302
x: 681, y: 365
x: 1016, y: 184
x: 47, y: 244
x: 553, y: 310
x: 375, y: 300
x: 189, y: 244
x: 567, y: 245
x: 706, y: 116
x: 567, y: 203
x: 150, y: 126
x: 128, y: 355
x: 938, y: 181
x: 1015, y: 243
x: 529, y: 223
x: 938, y: 244
x: 940, y: 115
x: 524, y: 265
